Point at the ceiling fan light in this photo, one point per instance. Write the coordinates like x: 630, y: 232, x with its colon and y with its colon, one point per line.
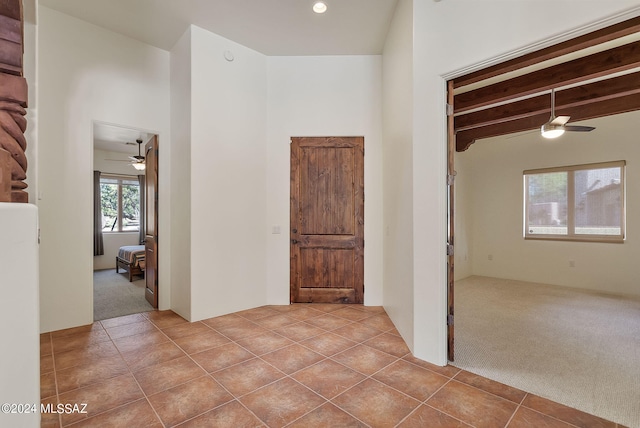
x: 319, y: 7
x: 551, y: 131
x: 139, y: 166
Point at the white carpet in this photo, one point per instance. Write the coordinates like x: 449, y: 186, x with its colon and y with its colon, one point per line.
x: 115, y: 296
x: 576, y: 347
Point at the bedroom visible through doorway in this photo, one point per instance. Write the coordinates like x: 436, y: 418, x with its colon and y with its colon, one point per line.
x: 120, y: 217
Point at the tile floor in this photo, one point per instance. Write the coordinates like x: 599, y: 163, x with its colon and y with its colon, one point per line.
x: 274, y: 366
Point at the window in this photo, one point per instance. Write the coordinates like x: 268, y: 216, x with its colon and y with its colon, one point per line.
x: 578, y: 203
x: 120, y: 198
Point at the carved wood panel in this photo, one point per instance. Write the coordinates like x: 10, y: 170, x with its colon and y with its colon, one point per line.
x: 13, y: 100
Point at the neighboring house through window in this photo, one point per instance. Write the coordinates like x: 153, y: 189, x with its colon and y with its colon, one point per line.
x: 580, y: 202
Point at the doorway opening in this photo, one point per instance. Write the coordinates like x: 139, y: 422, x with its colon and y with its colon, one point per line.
x: 508, y: 126
x: 591, y: 76
x: 121, y: 213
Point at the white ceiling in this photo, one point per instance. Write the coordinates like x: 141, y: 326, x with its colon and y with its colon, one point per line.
x: 272, y: 27
x: 115, y: 138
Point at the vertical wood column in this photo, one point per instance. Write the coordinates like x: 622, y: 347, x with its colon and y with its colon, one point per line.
x: 5, y: 176
x: 13, y: 101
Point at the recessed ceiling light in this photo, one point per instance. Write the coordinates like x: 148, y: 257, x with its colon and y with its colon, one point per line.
x: 319, y: 7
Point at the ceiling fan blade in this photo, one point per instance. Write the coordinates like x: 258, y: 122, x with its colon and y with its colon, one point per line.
x: 137, y: 158
x: 576, y: 128
x: 560, y: 120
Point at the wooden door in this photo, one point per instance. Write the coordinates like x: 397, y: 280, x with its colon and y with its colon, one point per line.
x: 327, y: 219
x: 151, y: 222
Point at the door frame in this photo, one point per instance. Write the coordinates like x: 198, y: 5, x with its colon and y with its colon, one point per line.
x: 451, y: 173
x: 153, y: 134
x: 356, y: 142
x: 151, y: 240
x: 607, y: 29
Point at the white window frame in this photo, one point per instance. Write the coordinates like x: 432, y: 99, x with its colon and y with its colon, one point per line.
x: 571, y: 215
x: 118, y: 228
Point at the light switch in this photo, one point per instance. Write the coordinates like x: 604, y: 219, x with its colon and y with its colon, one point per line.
x: 275, y: 229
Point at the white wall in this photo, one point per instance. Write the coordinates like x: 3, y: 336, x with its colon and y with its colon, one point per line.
x: 464, y: 215
x: 450, y: 37
x: 495, y: 195
x: 86, y: 73
x: 19, y: 361
x: 397, y: 90
x: 181, y: 176
x: 322, y: 96
x: 228, y: 172
x: 19, y: 317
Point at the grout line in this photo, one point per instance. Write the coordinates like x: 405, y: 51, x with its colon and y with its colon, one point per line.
x: 485, y: 391
x: 107, y: 411
x: 513, y: 415
x: 144, y: 394
x: 210, y: 375
x: 298, y: 342
x: 548, y: 415
x: 445, y: 413
x: 130, y: 371
x: 432, y: 371
x: 526, y: 394
x: 114, y: 408
x: 425, y: 402
x: 331, y: 357
x: 55, y: 377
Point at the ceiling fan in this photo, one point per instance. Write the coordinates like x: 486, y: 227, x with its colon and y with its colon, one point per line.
x: 556, y: 126
x: 138, y: 161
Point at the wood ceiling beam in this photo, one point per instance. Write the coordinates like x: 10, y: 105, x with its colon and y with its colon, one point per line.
x: 616, y: 87
x: 592, y: 110
x: 600, y: 64
x: 588, y: 40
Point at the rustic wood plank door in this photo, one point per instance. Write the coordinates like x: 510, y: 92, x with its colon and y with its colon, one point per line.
x: 327, y: 220
x: 151, y: 222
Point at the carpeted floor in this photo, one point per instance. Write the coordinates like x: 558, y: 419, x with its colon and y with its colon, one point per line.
x: 115, y: 296
x: 576, y: 347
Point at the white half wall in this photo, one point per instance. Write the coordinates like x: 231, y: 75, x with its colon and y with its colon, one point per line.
x: 493, y: 171
x: 86, y: 73
x: 19, y: 313
x: 322, y: 96
x: 228, y: 173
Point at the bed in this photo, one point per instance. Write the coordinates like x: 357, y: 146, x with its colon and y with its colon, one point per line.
x: 131, y: 258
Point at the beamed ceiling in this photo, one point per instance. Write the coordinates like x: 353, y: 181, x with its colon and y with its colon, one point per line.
x: 594, y: 75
